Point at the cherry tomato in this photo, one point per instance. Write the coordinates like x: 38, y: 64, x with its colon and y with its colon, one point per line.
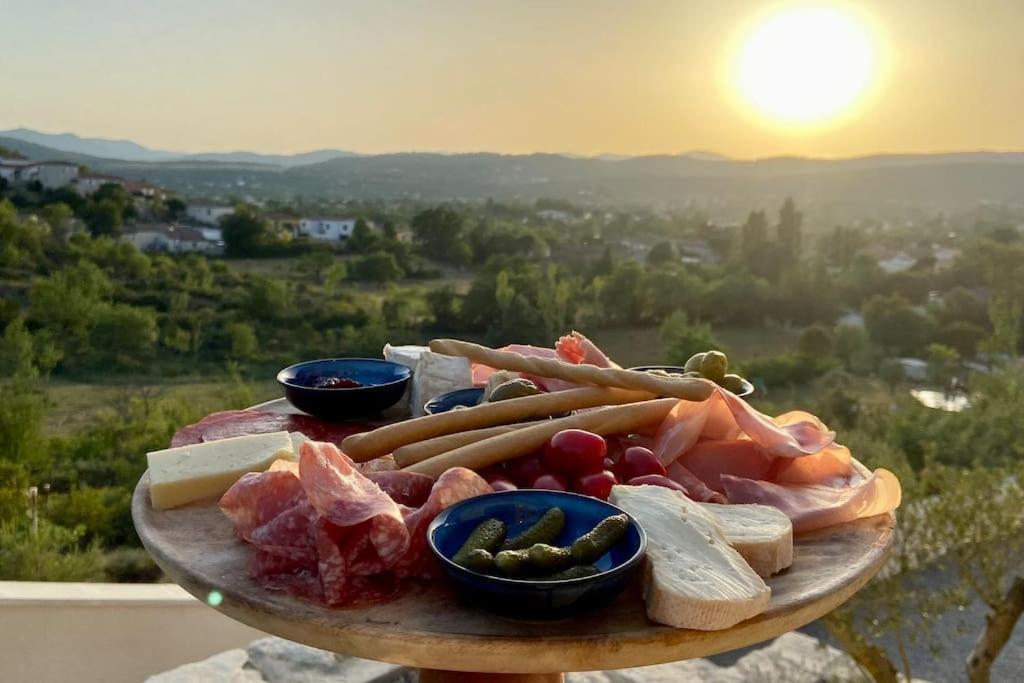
x: 657, y: 480
x: 598, y: 484
x: 523, y: 471
x: 638, y: 461
x: 574, y: 452
x: 502, y: 484
x: 553, y: 482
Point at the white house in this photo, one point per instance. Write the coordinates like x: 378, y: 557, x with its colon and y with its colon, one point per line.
x: 51, y: 174
x: 87, y: 185
x: 327, y: 229
x: 173, y: 239
x: 210, y: 214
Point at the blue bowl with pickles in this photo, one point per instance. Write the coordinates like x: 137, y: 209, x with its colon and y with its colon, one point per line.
x: 537, y: 595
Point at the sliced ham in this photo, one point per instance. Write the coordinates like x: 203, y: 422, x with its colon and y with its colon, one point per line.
x: 708, y: 460
x: 691, y: 483
x: 815, y: 506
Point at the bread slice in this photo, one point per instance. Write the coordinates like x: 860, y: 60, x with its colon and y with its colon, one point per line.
x: 763, y: 535
x: 693, y: 577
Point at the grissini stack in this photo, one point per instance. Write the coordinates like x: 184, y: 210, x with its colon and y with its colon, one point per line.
x: 687, y: 388
x: 418, y: 452
x: 370, y: 445
x: 611, y: 420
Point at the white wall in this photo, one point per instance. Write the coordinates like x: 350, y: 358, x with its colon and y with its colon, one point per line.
x: 56, y: 175
x: 327, y: 229
x: 105, y: 632
x: 207, y: 214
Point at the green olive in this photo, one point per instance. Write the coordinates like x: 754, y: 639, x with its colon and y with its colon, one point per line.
x: 713, y: 366
x: 515, y: 388
x: 733, y: 383
x: 693, y: 364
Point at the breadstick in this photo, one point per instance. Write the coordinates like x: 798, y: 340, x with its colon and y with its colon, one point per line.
x: 612, y: 420
x: 418, y: 452
x: 687, y: 388
x: 369, y: 445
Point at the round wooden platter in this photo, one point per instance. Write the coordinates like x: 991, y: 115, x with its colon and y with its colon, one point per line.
x: 428, y: 627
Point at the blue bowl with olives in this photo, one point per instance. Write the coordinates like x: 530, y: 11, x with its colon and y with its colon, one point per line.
x: 537, y: 592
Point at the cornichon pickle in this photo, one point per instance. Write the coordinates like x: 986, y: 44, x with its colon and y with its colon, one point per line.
x: 713, y: 365
x: 578, y: 571
x: 545, y: 530
x: 513, y: 562
x: 479, y: 560
x: 547, y: 558
x: 693, y: 363
x: 733, y: 383
x: 488, y: 535
x: 599, y: 540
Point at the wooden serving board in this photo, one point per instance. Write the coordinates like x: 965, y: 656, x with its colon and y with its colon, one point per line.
x: 428, y: 627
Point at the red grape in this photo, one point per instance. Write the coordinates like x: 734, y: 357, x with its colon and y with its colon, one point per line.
x: 553, y: 482
x: 598, y: 484
x: 574, y: 452
x: 638, y: 461
x: 523, y: 471
x: 502, y: 484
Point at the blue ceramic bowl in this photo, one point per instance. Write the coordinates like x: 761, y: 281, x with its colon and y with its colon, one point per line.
x: 449, y: 400
x: 383, y: 384
x: 748, y: 388
x: 519, y: 510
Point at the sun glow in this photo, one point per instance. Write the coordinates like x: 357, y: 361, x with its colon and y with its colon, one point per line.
x: 805, y: 66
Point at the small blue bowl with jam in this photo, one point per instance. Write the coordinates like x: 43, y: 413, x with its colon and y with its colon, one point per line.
x: 343, y: 388
x: 536, y: 597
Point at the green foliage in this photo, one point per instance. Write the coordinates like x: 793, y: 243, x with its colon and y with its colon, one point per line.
x: 789, y: 233
x: 379, y: 266
x: 681, y: 339
x: 363, y: 239
x: 895, y: 326
x: 104, y: 217
x: 245, y: 232
x: 444, y: 305
x: 943, y: 363
x: 661, y: 254
x: 21, y: 419
x: 787, y: 369
x: 439, y: 233
x: 131, y: 565
x: 816, y: 340
x: 244, y: 344
x: 122, y: 336
x: 174, y: 208
x: 51, y: 553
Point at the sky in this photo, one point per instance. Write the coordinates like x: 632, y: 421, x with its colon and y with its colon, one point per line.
x: 584, y: 77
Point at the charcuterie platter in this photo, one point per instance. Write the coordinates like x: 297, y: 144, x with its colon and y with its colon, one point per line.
x: 833, y: 549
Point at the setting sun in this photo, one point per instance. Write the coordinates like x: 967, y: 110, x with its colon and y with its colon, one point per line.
x: 805, y: 65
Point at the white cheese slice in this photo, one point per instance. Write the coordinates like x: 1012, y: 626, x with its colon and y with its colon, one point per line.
x: 436, y: 374
x: 763, y: 535
x: 693, y: 578
x: 297, y: 438
x: 189, y: 473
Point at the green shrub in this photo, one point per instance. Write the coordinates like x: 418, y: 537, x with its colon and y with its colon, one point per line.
x: 131, y: 565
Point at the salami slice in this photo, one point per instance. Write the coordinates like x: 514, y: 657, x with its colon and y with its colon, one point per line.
x: 454, y: 485
x: 344, y: 497
x: 257, y: 498
x: 229, y: 423
x: 405, y: 488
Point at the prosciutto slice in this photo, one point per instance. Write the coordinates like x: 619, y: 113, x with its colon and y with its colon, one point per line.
x: 791, y: 462
x: 229, y: 423
x: 815, y: 506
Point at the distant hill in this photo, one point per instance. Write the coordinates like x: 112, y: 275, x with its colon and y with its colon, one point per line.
x: 832, y: 189
x: 126, y: 150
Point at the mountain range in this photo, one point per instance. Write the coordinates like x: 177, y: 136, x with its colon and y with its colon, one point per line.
x: 837, y: 188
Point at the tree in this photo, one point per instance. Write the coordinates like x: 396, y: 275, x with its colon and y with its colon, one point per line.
x: 443, y: 303
x: 790, y: 222
x: 816, y: 341
x: 66, y: 303
x: 962, y: 336
x: 380, y: 266
x: 245, y: 232
x: 50, y: 553
x: 681, y: 339
x: 104, y: 218
x: 438, y: 232
x: 334, y: 276
x: 123, y: 335
x: 895, y: 326
x: 57, y: 215
x: 661, y: 253
x: 363, y: 239
x: 943, y: 363
x: 174, y: 208
x: 753, y: 237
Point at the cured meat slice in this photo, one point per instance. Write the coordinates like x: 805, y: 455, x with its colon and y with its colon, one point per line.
x: 290, y: 534
x: 259, y: 497
x: 405, y: 488
x: 709, y: 459
x: 815, y: 506
x: 457, y: 483
x: 692, y: 485
x: 229, y: 423
x: 344, y: 497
